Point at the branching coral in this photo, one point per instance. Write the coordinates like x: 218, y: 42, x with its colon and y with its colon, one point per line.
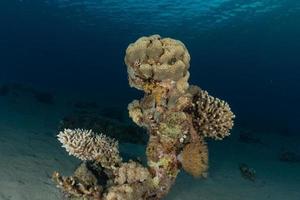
x: 86, y: 145
x: 82, y: 184
x: 177, y: 117
x: 212, y: 117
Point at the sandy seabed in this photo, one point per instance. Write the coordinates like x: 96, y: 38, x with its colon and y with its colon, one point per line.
x: 29, y: 153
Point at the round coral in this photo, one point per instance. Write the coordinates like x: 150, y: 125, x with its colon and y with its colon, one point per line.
x: 155, y: 59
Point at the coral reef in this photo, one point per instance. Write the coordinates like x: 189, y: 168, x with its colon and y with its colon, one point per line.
x: 178, y: 117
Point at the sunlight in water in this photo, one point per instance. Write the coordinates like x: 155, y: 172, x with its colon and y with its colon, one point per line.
x: 200, y: 14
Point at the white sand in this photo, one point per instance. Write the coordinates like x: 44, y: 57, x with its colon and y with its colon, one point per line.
x: 29, y: 154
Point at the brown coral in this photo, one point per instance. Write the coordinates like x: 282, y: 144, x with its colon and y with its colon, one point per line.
x: 73, y: 187
x: 213, y: 117
x: 87, y: 145
x: 156, y: 59
x: 194, y: 158
x: 131, y: 172
x: 136, y: 191
x: 177, y: 117
x: 135, y: 112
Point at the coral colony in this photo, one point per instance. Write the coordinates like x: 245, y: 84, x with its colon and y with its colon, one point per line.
x: 177, y: 116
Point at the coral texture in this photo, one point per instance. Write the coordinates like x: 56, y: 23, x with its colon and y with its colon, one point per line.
x: 194, y: 158
x: 177, y: 117
x: 86, y: 145
x: 131, y: 172
x: 82, y: 185
x: 212, y: 116
x: 156, y: 59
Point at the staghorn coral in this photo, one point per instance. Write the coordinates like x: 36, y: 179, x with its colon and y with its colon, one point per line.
x: 86, y: 145
x: 177, y: 118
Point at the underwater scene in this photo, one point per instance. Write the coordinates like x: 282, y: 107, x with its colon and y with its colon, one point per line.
x: 149, y: 100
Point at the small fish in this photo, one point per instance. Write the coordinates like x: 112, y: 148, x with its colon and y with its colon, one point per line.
x: 247, y: 172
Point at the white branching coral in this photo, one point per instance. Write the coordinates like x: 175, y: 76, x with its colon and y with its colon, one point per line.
x: 87, y: 145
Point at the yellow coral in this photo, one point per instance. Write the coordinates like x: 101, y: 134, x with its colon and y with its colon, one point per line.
x: 156, y: 59
x: 131, y: 172
x: 172, y: 127
x: 136, y: 191
x: 135, y: 112
x: 194, y: 158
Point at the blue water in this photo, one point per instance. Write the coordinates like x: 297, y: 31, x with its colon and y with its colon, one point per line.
x: 244, y: 51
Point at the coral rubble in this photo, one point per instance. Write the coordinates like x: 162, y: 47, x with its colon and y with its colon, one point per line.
x: 178, y: 117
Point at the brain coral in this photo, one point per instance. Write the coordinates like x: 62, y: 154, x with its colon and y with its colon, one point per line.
x: 156, y: 59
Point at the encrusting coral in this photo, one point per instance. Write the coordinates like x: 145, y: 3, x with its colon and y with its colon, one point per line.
x: 177, y: 116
